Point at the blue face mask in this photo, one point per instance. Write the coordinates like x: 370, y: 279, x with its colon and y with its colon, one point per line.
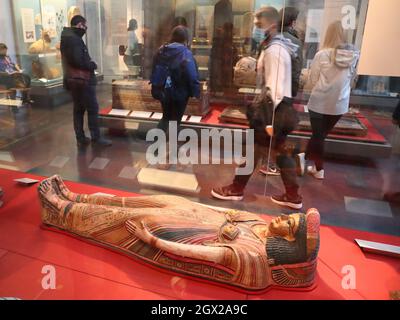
x: 258, y: 35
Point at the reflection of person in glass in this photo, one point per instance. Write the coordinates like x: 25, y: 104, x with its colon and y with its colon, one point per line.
x: 80, y: 80
x: 183, y: 81
x: 132, y: 49
x: 11, y: 75
x: 390, y: 196
x: 331, y: 77
x: 235, y: 248
x: 287, y: 25
x: 275, y: 78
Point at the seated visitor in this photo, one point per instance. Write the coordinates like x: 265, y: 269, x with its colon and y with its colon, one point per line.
x: 11, y: 75
x: 239, y: 249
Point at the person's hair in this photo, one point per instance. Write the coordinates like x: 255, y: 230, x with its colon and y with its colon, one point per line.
x: 77, y: 20
x: 180, y: 34
x: 288, y: 16
x: 269, y: 13
x: 133, y: 25
x: 335, y: 36
x: 284, y: 252
x: 3, y: 46
x: 180, y: 21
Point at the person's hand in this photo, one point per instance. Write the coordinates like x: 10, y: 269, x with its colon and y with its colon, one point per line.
x: 94, y: 65
x: 269, y: 130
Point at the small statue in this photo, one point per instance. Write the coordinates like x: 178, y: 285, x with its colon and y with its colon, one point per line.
x: 238, y: 249
x: 72, y: 12
x: 43, y: 45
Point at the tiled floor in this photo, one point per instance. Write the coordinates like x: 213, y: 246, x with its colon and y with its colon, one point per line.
x: 41, y: 141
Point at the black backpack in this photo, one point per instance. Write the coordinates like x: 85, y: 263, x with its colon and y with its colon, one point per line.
x: 161, y: 78
x: 260, y: 114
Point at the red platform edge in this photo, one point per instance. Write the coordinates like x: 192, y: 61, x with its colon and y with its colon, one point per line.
x: 212, y: 119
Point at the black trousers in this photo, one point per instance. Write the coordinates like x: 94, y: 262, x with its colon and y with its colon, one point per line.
x: 322, y: 125
x: 173, y: 110
x: 85, y: 100
x: 284, y: 157
x: 285, y: 161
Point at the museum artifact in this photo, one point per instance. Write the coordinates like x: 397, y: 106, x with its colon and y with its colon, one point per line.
x: 223, y: 53
x: 135, y: 95
x: 43, y: 45
x: 245, y: 73
x: 349, y: 125
x: 232, y: 248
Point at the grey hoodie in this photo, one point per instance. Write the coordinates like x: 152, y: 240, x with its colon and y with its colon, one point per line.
x: 332, y: 74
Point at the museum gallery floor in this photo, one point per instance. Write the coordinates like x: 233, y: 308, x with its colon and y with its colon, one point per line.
x: 85, y: 271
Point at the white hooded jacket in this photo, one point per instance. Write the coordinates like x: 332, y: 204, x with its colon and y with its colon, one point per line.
x: 331, y: 78
x: 274, y: 68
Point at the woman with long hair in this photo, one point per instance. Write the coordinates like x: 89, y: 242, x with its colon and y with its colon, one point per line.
x: 132, y: 49
x: 332, y: 74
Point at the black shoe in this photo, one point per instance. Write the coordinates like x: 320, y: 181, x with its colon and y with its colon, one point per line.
x: 230, y: 193
x: 83, y: 142
x: 286, y: 201
x: 102, y: 142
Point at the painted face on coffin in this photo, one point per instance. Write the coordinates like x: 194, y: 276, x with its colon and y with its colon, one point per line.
x: 287, y: 240
x: 285, y: 227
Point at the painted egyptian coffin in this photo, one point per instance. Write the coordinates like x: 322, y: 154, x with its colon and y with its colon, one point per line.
x: 237, y: 249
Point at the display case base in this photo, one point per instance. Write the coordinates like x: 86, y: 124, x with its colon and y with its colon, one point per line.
x: 372, y: 146
x: 50, y: 96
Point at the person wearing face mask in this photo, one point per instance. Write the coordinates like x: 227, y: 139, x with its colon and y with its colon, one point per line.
x: 275, y: 78
x: 80, y: 80
x: 287, y: 25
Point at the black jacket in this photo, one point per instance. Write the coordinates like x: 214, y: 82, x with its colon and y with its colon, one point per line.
x: 75, y: 54
x: 396, y: 114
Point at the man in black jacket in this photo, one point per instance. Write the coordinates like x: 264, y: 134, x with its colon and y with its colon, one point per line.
x: 396, y: 116
x: 394, y: 197
x: 80, y: 80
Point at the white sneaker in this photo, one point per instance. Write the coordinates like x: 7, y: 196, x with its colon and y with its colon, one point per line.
x: 301, y: 164
x: 320, y: 175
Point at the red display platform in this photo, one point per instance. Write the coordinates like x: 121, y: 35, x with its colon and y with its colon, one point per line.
x: 212, y: 119
x: 86, y: 271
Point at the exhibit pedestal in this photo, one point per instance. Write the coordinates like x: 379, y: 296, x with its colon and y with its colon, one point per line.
x: 49, y: 96
x: 373, y: 144
x: 52, y: 94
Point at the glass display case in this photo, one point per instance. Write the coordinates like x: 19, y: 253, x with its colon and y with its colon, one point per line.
x: 224, y: 42
x: 37, y: 32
